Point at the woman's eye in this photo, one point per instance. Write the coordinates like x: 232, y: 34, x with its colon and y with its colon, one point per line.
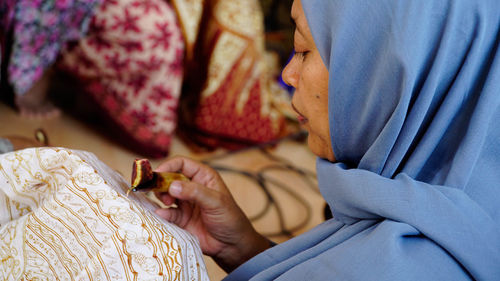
x: 302, y: 55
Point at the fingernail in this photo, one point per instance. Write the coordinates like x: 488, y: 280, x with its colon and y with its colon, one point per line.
x: 175, y: 188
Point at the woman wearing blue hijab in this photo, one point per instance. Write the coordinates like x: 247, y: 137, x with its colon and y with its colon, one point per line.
x: 401, y: 99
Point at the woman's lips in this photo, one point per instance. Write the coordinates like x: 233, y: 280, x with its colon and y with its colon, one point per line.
x: 302, y: 120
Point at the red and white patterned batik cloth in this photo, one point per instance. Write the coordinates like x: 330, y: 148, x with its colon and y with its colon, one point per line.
x: 131, y: 64
x: 232, y: 98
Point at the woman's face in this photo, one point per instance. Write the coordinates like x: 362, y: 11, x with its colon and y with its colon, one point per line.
x: 307, y: 73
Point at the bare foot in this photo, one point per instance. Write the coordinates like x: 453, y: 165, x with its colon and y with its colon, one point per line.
x: 34, y: 103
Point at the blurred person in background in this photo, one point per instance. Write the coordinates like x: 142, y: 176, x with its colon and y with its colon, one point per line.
x: 131, y: 58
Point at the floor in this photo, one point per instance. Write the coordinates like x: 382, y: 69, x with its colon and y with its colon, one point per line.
x: 288, y: 204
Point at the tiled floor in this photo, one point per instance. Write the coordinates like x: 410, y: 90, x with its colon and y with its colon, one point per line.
x: 299, y: 203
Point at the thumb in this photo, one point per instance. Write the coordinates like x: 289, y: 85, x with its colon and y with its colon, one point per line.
x: 195, y: 193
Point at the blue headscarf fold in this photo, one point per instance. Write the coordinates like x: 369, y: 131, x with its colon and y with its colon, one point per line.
x: 414, y: 110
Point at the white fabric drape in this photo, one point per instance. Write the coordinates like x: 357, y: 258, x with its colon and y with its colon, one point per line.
x: 64, y: 216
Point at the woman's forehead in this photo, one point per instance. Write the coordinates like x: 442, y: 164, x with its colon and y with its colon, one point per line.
x: 299, y: 19
x: 295, y: 9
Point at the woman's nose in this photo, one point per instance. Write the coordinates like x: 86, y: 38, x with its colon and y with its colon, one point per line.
x: 290, y: 74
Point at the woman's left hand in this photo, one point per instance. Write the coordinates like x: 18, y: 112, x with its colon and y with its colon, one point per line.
x: 207, y: 210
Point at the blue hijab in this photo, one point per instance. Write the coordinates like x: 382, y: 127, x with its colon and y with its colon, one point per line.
x: 414, y: 110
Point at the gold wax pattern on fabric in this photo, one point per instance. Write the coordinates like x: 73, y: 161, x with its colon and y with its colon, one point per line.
x: 61, y: 221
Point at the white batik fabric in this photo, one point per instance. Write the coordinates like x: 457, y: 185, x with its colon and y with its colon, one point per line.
x: 64, y: 216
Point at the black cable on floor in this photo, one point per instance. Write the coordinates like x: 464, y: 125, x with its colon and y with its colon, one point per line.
x: 263, y: 180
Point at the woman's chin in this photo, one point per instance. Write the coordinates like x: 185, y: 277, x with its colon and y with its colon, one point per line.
x: 320, y: 148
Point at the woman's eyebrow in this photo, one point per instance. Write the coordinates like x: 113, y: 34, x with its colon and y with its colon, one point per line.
x: 301, y: 29
x: 298, y: 27
x: 295, y: 25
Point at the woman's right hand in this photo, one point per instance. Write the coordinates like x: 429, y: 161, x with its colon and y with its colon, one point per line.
x: 207, y: 209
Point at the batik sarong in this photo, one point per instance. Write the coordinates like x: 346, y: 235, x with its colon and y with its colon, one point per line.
x: 64, y: 216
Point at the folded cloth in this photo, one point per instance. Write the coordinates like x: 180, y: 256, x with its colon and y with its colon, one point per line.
x: 65, y: 217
